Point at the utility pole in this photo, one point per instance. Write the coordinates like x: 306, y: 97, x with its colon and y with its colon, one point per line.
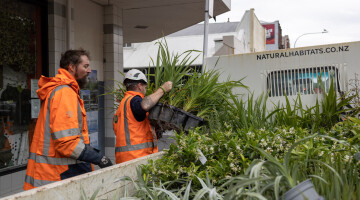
x: 209, y: 7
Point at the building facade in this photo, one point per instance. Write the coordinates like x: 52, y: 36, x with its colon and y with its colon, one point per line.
x: 34, y: 33
x: 225, y: 38
x: 274, y: 38
x: 286, y: 74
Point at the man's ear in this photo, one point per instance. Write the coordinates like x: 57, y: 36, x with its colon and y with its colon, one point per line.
x: 71, y: 68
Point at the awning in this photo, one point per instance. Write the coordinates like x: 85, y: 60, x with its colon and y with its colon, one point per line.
x: 147, y: 20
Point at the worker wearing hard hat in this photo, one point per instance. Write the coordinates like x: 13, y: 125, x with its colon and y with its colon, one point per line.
x: 134, y: 135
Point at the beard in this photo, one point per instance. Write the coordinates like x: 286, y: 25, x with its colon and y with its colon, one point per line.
x: 81, y: 81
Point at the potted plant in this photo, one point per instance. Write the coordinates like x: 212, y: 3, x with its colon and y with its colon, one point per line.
x: 286, y: 174
x: 167, y: 114
x: 194, y: 95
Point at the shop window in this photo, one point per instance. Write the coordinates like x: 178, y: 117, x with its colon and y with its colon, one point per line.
x: 21, y: 62
x: 304, y: 81
x: 90, y: 95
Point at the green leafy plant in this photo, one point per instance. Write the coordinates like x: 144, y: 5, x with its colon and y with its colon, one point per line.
x: 252, y: 113
x: 204, y: 92
x: 171, y: 67
x: 250, y: 152
x: 17, y: 36
x: 295, y: 169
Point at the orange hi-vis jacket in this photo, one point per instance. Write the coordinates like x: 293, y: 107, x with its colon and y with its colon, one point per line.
x: 134, y: 139
x: 60, y: 134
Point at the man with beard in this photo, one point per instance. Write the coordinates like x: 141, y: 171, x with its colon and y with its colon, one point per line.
x: 60, y: 146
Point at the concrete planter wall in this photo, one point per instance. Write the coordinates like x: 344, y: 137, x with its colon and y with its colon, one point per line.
x: 71, y: 188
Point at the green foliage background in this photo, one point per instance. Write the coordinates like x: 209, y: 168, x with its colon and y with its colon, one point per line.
x: 251, y: 152
x: 16, y: 39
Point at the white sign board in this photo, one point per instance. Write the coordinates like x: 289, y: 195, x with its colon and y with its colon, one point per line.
x: 35, y: 108
x: 211, y: 8
x: 34, y: 87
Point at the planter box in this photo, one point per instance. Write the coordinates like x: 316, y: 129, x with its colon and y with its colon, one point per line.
x: 160, y: 116
x: 107, y: 178
x: 192, y: 122
x: 302, y: 191
x: 179, y: 119
x: 155, y: 111
x: 166, y: 113
x: 166, y: 117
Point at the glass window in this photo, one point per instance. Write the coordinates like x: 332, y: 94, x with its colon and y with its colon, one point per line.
x: 302, y: 81
x: 19, y: 64
x: 90, y: 95
x: 127, y: 44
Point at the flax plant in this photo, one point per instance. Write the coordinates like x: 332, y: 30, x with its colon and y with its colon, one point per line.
x: 204, y: 91
x: 346, y: 187
x: 171, y: 67
x: 324, y: 114
x: 301, y: 163
x: 252, y: 113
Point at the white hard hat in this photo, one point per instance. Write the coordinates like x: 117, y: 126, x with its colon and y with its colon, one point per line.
x: 135, y: 75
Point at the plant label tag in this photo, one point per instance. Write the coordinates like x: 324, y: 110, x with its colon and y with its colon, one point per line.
x: 202, y: 158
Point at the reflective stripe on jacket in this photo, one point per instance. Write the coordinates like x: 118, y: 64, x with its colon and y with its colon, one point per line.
x: 60, y: 134
x: 134, y: 139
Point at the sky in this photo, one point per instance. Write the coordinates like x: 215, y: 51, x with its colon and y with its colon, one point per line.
x: 341, y: 18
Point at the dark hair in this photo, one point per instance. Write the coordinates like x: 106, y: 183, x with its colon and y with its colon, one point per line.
x: 131, y: 84
x: 72, y: 57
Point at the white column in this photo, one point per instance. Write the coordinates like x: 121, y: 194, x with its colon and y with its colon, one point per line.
x: 113, y: 63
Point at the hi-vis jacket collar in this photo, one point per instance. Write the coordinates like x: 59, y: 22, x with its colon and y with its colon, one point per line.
x: 47, y: 84
x: 133, y: 93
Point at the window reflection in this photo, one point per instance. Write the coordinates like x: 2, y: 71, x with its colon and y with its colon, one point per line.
x: 301, y: 81
x: 17, y: 67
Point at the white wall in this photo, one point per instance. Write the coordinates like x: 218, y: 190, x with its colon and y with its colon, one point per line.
x: 244, y: 29
x: 88, y: 26
x: 251, y: 32
x: 259, y: 36
x: 254, y: 65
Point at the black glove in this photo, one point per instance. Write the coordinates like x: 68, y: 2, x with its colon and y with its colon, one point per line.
x: 94, y: 156
x: 105, y: 162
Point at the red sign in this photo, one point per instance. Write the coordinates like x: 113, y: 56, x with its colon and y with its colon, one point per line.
x: 270, y: 33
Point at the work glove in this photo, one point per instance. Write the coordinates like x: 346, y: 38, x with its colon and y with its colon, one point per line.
x: 92, y: 155
x: 105, y: 162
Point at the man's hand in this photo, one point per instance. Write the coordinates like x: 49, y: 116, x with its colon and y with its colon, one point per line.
x: 167, y: 86
x: 149, y: 101
x: 105, y: 162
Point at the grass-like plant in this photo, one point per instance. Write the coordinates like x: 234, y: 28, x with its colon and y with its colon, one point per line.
x: 297, y: 166
x: 235, y: 170
x: 173, y: 67
x: 240, y: 131
x: 204, y: 91
x: 252, y: 113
